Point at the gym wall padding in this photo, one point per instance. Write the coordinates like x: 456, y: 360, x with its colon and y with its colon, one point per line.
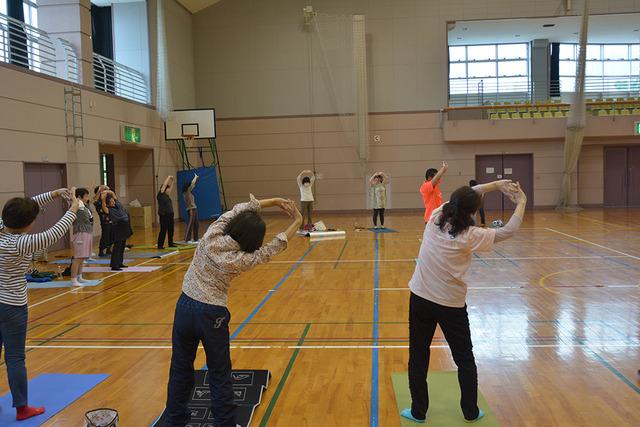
x: 206, y: 193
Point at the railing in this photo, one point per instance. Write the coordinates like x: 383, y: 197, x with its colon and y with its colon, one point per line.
x: 494, y: 91
x: 120, y: 80
x: 28, y: 47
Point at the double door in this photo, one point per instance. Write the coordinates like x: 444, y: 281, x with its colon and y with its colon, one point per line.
x: 516, y: 167
x: 622, y: 176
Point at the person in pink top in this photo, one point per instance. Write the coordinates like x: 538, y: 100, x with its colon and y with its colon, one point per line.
x: 438, y: 291
x: 431, y: 194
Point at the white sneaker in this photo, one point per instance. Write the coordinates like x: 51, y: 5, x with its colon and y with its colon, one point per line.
x: 77, y: 283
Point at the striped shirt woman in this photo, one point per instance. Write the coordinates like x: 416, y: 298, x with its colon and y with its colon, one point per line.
x: 16, y: 250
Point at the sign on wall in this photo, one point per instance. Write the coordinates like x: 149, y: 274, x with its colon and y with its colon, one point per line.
x: 636, y: 126
x: 130, y: 134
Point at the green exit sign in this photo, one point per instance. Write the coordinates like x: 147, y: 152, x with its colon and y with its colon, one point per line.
x: 130, y: 134
x: 637, y: 128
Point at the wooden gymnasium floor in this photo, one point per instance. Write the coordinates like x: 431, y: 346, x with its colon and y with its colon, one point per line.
x: 555, y: 316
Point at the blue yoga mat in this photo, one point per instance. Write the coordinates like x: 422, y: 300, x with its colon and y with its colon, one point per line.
x: 53, y: 391
x: 59, y: 284
x: 382, y: 230
x: 105, y: 261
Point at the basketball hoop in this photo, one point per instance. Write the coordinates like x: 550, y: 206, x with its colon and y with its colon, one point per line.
x: 188, y: 137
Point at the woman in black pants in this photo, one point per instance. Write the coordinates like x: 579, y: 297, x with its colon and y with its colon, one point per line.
x: 120, y: 228
x: 438, y: 291
x: 165, y: 212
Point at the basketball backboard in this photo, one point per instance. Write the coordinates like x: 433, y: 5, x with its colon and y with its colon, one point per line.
x: 181, y: 124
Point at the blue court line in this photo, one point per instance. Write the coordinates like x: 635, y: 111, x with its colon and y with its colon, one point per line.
x: 271, y: 292
x: 481, y: 259
x: 510, y: 260
x: 373, y: 418
x: 591, y: 251
x: 615, y: 371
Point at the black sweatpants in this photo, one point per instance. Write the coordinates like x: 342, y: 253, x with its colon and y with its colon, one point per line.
x: 424, y: 316
x: 106, y: 238
x: 117, y: 253
x: 166, y: 227
x: 194, y: 322
x: 376, y: 213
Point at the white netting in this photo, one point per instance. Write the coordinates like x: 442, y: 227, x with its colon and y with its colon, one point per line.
x: 164, y: 102
x: 338, y: 75
x: 577, y: 119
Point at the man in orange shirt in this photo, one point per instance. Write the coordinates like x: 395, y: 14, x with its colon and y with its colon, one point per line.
x: 431, y: 194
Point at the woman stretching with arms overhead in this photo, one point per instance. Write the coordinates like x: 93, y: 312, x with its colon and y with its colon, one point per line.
x: 438, y: 291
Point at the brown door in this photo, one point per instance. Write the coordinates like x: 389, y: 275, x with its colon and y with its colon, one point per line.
x: 633, y: 179
x: 519, y: 168
x: 488, y: 169
x: 40, y: 178
x: 615, y: 176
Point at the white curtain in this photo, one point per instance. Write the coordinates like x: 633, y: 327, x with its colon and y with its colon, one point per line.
x: 577, y: 119
x: 164, y: 103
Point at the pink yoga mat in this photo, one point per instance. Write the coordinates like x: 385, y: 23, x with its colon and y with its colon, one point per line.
x: 134, y: 269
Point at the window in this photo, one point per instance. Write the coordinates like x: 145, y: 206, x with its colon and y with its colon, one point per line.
x: 107, y: 172
x: 610, y: 70
x: 489, y: 69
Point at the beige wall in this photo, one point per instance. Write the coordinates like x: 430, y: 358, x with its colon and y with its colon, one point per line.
x: 252, y: 56
x: 264, y: 156
x: 32, y: 129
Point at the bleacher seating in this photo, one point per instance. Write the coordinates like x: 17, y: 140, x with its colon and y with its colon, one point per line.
x: 556, y: 109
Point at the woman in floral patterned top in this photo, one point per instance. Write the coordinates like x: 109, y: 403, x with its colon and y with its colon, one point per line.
x: 231, y: 246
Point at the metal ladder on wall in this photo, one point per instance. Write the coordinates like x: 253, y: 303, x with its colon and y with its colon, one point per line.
x: 73, y: 114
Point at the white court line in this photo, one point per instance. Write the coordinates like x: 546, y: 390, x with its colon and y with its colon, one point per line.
x: 324, y: 347
x: 80, y: 288
x: 353, y: 261
x: 594, y: 244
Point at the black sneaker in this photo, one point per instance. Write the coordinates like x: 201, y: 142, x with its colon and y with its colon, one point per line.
x: 124, y: 266
x: 116, y: 269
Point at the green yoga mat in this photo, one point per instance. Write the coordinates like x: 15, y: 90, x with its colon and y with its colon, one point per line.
x: 444, y: 401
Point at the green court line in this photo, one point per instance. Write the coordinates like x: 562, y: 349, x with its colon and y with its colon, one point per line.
x: 340, y: 256
x: 285, y: 375
x: 49, y: 339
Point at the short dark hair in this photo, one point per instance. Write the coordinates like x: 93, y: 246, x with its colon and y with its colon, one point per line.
x: 95, y: 190
x: 306, y: 179
x: 458, y: 213
x: 431, y: 172
x: 186, y: 186
x: 81, y: 192
x: 473, y: 183
x: 20, y: 212
x: 248, y: 229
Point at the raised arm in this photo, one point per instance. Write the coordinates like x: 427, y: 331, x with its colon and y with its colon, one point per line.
x: 29, y: 243
x: 443, y: 169
x: 504, y: 185
x: 280, y: 241
x: 166, y: 185
x: 518, y: 197
x: 43, y: 199
x: 299, y: 178
x: 194, y: 181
